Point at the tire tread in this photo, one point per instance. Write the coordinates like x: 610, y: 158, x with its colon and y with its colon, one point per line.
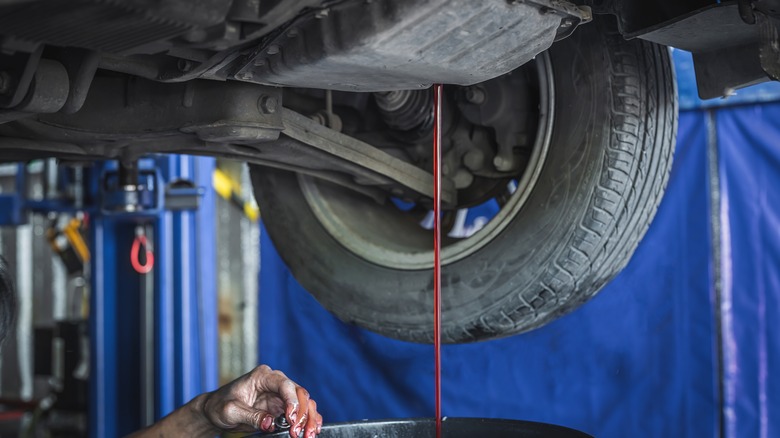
x: 634, y: 176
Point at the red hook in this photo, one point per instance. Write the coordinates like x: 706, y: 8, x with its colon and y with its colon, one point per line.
x: 140, y: 240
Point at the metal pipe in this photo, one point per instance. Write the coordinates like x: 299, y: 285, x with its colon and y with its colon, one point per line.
x: 24, y: 336
x: 148, y: 336
x: 128, y: 173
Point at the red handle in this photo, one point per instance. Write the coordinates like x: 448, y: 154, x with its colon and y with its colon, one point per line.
x: 139, y: 241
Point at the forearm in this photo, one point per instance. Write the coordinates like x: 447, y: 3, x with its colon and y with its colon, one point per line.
x: 188, y: 421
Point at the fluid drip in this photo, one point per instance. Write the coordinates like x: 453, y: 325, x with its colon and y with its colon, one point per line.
x: 436, y: 253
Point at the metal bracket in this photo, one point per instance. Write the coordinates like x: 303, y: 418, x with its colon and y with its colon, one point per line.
x: 311, y: 133
x: 769, y: 45
x: 183, y: 195
x: 16, y: 76
x: 118, y: 197
x: 765, y: 13
x: 134, y: 191
x: 129, y: 190
x: 745, y: 8
x: 571, y: 14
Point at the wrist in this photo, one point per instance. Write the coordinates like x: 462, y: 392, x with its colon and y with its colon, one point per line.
x: 198, y: 409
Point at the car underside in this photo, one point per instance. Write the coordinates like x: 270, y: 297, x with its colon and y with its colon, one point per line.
x: 562, y: 113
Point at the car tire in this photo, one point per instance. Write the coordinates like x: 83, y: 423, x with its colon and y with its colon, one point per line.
x: 614, y: 127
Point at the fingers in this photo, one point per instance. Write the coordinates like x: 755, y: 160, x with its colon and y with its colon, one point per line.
x: 277, y: 382
x: 301, y: 411
x: 314, y: 422
x: 299, y: 414
x: 237, y: 414
x: 309, y: 422
x: 267, y: 424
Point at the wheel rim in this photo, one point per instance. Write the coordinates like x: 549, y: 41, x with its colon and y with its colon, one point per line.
x: 390, y: 237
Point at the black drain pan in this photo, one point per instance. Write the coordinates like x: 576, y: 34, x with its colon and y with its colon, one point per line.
x: 452, y: 428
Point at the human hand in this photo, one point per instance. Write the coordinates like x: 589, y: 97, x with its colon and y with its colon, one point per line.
x: 252, y: 401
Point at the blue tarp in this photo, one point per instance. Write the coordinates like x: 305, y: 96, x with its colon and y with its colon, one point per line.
x: 749, y: 140
x: 640, y: 359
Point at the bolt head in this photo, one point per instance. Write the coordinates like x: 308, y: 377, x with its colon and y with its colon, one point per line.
x: 474, y: 159
x: 502, y: 164
x: 185, y: 65
x: 462, y: 179
x: 196, y: 36
x: 320, y: 118
x: 5, y: 82
x: 268, y: 104
x: 475, y: 95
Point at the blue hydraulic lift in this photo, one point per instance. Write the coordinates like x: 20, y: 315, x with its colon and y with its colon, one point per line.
x: 185, y: 317
x: 153, y: 336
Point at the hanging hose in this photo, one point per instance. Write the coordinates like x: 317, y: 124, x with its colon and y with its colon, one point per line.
x: 135, y: 261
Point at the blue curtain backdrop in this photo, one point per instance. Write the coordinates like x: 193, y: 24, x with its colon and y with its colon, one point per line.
x: 749, y: 140
x: 640, y: 359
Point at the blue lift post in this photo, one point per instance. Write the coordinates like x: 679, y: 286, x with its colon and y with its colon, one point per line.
x: 185, y: 354
x: 187, y: 297
x: 184, y: 357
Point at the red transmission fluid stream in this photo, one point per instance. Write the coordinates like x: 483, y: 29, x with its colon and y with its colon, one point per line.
x: 436, y: 250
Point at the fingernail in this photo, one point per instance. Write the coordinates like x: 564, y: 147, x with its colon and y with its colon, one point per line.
x: 298, y: 431
x: 319, y: 428
x: 266, y: 424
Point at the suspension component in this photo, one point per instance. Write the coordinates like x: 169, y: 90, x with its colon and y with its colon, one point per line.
x: 406, y: 110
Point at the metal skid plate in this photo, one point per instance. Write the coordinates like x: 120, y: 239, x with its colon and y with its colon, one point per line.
x: 404, y: 44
